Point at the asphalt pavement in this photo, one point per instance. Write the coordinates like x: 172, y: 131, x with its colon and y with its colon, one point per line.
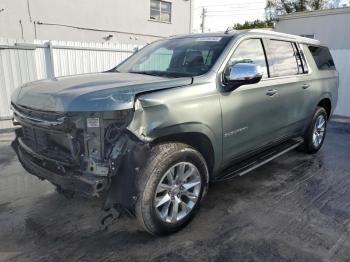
x: 296, y: 208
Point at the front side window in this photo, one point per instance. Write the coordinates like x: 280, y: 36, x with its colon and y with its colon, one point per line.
x: 250, y: 51
x: 160, y: 11
x: 285, y: 59
x: 179, y: 57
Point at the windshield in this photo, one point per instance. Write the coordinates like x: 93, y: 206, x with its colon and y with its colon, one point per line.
x: 177, y: 57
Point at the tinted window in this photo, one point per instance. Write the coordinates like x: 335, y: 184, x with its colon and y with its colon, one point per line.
x: 250, y: 51
x: 323, y: 57
x: 285, y: 59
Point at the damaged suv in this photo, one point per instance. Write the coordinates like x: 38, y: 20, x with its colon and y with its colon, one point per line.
x: 150, y: 135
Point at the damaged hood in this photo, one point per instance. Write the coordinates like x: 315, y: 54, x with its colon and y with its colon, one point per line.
x: 91, y: 92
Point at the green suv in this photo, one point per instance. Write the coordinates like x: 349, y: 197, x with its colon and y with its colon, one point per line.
x: 149, y: 135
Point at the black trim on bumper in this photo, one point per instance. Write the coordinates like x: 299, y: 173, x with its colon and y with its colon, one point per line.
x: 88, y: 185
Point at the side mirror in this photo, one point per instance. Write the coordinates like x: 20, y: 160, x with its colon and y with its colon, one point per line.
x: 242, y: 74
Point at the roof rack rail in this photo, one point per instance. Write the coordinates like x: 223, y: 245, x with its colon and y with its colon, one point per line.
x: 295, y: 37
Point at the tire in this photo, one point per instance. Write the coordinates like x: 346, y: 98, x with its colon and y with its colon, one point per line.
x: 310, y: 146
x: 166, y: 162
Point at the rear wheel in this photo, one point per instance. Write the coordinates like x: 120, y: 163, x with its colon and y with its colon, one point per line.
x: 316, y: 132
x: 170, y: 188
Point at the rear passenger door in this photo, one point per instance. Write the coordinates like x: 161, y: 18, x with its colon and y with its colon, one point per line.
x: 289, y: 77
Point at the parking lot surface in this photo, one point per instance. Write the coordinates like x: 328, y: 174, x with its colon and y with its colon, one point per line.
x: 296, y: 208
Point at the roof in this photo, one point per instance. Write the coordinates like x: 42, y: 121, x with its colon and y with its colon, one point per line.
x: 254, y: 32
x: 306, y: 14
x: 216, y: 34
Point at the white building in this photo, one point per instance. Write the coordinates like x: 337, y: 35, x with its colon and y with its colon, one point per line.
x: 332, y: 28
x: 132, y: 21
x: 49, y: 38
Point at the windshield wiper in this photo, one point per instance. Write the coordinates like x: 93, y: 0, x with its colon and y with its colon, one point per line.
x: 113, y: 70
x: 163, y: 73
x: 150, y: 73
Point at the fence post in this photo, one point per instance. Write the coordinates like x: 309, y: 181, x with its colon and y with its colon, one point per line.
x: 49, y: 62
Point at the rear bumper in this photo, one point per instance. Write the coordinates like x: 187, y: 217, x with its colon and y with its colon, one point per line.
x: 74, y: 181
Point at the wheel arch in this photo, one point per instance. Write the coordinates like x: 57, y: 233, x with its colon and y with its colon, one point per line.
x: 197, y: 140
x: 326, y: 104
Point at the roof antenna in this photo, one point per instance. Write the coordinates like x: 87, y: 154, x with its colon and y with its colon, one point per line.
x: 230, y: 29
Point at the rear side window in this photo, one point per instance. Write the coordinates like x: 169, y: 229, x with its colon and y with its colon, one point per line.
x: 285, y: 59
x: 322, y: 57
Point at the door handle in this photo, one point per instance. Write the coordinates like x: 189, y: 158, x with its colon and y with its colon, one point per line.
x: 305, y: 86
x: 271, y: 92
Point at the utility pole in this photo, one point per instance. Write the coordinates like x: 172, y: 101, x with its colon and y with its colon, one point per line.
x: 204, y: 11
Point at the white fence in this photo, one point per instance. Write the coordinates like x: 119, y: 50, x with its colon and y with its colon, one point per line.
x: 24, y: 61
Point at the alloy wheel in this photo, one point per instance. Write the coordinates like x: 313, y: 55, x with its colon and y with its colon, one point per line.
x: 319, y: 130
x: 177, y: 192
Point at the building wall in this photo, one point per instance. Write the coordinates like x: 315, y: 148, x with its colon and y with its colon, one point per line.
x: 90, y: 20
x: 332, y: 28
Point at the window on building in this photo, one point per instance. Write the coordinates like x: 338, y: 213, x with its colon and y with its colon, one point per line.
x: 285, y: 59
x: 323, y: 57
x: 160, y: 11
x: 250, y: 51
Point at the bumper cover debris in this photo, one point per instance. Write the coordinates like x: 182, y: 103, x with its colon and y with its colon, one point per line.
x: 87, y: 185
x: 127, y: 158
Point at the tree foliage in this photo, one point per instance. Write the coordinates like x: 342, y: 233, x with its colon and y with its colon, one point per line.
x: 289, y: 6
x: 254, y: 24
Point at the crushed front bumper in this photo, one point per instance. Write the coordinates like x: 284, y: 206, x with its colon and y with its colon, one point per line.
x: 35, y: 164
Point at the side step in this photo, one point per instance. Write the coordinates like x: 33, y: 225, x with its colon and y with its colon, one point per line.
x: 258, y: 160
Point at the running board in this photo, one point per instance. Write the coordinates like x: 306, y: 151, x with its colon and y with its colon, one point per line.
x: 258, y: 160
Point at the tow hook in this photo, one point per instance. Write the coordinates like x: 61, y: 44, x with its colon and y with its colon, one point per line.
x: 109, y: 216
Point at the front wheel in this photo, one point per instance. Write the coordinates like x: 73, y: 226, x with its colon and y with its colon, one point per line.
x: 316, y: 133
x: 170, y: 188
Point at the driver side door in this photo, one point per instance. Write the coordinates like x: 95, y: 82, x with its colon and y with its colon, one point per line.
x: 248, y: 111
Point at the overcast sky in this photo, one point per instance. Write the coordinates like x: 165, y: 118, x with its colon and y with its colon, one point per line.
x: 224, y: 13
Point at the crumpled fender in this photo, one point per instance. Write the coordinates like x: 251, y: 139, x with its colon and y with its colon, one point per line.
x: 150, y: 122
x: 127, y: 158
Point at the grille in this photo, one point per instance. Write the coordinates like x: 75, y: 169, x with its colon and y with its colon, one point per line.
x: 47, y: 116
x: 53, y: 146
x: 35, y: 138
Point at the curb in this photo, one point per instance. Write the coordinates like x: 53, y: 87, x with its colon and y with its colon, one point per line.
x: 339, y: 125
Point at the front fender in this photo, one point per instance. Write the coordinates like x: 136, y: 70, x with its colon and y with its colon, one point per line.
x: 183, y: 128
x: 194, y: 109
